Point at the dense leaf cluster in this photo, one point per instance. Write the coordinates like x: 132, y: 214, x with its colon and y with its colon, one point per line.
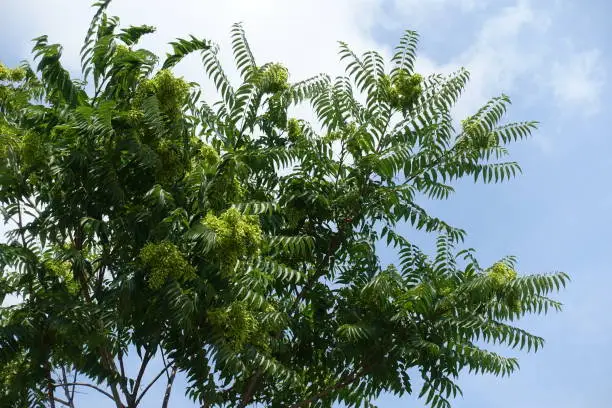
x: 236, y: 243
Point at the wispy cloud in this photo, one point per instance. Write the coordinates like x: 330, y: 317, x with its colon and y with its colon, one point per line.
x: 516, y: 49
x: 420, y: 11
x: 498, y: 59
x: 512, y: 45
x: 578, y: 81
x: 301, y: 34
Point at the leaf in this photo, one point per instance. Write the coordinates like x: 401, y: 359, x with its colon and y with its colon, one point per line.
x: 296, y: 245
x: 131, y: 35
x: 183, y: 47
x: 217, y: 75
x: 257, y: 207
x: 54, y: 76
x: 245, y: 61
x: 405, y: 52
x: 280, y: 271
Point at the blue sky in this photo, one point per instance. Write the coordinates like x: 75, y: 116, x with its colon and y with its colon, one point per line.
x: 551, y: 56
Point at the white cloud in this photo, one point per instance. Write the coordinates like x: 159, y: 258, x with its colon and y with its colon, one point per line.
x: 424, y: 10
x: 498, y: 58
x: 510, y: 44
x: 301, y: 34
x: 515, y: 51
x: 578, y: 81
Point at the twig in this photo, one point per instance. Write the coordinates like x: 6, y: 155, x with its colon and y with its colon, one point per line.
x: 250, y: 389
x: 344, y: 381
x: 123, y: 383
x: 67, y: 388
x: 61, y: 401
x: 169, y: 387
x: 50, y: 385
x: 163, y: 356
x: 145, y: 361
x: 108, y: 360
x: 73, y: 385
x: 121, y: 366
x: 100, y: 390
x: 20, y: 225
x: 151, y: 384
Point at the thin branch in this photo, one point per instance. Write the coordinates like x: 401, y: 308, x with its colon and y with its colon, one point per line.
x: 100, y: 390
x: 50, y: 384
x: 110, y: 363
x: 382, y: 141
x: 61, y: 401
x: 121, y: 366
x: 250, y: 389
x: 334, y: 244
x: 151, y: 384
x: 67, y: 388
x: 342, y: 383
x: 123, y: 383
x: 163, y: 356
x: 73, y: 385
x: 145, y: 361
x: 169, y: 387
x: 20, y: 225
x: 100, y: 280
x: 107, y: 360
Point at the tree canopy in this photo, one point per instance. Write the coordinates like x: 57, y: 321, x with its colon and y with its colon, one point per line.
x: 238, y: 243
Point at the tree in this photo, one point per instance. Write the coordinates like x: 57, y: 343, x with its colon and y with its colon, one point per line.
x: 233, y: 241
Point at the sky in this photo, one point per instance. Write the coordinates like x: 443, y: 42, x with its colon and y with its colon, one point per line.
x: 552, y: 57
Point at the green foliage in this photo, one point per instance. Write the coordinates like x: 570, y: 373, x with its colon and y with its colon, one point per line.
x: 234, y: 242
x: 61, y: 270
x: 163, y: 261
x: 12, y: 75
x: 271, y: 78
x: 236, y: 235
x: 182, y: 48
x: 236, y: 323
x: 171, y: 93
x: 207, y: 156
x: 502, y: 274
x: 402, y: 90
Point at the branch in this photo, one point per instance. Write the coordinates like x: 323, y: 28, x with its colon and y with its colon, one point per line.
x: 163, y: 356
x: 20, y: 225
x: 250, y: 389
x: 50, y: 384
x: 342, y: 383
x: 448, y: 153
x: 100, y: 390
x: 169, y: 387
x: 382, y: 141
x: 67, y: 389
x: 145, y: 361
x: 334, y: 244
x: 151, y: 384
x: 123, y: 382
x: 73, y: 385
x: 107, y: 360
x: 61, y: 401
x: 121, y: 366
x: 110, y: 363
x: 100, y: 280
